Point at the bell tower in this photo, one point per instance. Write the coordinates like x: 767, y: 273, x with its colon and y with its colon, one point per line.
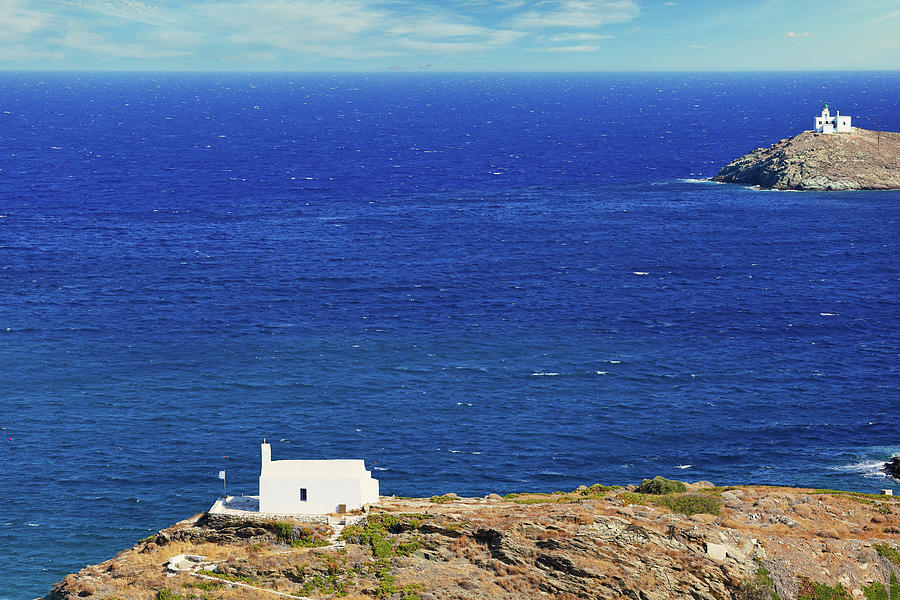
x: 266, y: 451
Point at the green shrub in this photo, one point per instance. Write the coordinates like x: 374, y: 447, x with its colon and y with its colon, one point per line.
x: 760, y: 586
x: 381, y: 547
x: 593, y: 492
x: 206, y: 585
x: 813, y: 590
x: 386, y: 582
x: 632, y: 498
x: 298, y: 536
x: 888, y: 552
x: 411, y: 591
x: 660, y: 485
x: 691, y: 504
x: 596, y: 489
x: 407, y: 548
x: 285, y: 531
x: 227, y: 577
x: 167, y: 594
x: 879, y: 591
x: 875, y: 591
x: 328, y: 584
x: 390, y: 522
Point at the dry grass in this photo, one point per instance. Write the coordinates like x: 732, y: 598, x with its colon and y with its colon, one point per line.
x: 820, y: 519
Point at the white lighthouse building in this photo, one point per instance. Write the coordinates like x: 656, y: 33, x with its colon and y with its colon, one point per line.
x: 313, y: 486
x: 832, y: 124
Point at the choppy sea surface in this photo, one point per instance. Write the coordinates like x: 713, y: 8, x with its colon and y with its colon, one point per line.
x: 477, y: 282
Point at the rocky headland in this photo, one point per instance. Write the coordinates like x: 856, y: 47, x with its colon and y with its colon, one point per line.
x: 892, y: 467
x: 861, y: 160
x: 657, y: 541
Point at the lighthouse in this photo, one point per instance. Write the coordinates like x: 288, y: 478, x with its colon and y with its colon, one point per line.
x: 825, y: 123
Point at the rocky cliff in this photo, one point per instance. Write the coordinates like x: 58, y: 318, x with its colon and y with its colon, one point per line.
x: 704, y: 542
x: 862, y: 160
x: 892, y: 467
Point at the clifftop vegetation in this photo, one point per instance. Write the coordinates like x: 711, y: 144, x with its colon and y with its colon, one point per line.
x: 659, y: 540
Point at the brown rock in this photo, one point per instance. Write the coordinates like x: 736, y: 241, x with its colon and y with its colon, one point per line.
x: 862, y: 159
x: 553, y: 548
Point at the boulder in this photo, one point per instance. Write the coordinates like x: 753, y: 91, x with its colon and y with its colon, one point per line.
x: 716, y: 551
x: 892, y: 467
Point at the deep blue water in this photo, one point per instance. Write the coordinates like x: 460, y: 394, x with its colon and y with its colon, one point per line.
x: 485, y: 283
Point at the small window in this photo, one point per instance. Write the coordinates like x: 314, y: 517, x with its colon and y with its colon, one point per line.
x: 302, y: 494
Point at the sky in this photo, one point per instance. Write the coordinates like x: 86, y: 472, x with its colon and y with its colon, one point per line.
x: 449, y: 35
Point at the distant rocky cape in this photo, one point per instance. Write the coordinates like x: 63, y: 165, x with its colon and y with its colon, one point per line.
x: 861, y: 160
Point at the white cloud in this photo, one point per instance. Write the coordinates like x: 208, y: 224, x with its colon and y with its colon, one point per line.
x: 579, y: 48
x: 887, y: 17
x: 792, y: 34
x: 576, y: 14
x: 577, y: 37
x: 250, y: 58
x: 493, y: 4
x: 286, y: 25
x: 439, y: 29
x: 174, y: 38
x: 96, y: 44
x: 129, y: 10
x: 276, y: 31
x: 442, y: 35
x: 351, y: 29
x: 28, y: 55
x: 435, y: 40
x: 21, y: 22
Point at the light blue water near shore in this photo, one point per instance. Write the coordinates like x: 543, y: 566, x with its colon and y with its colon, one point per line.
x: 485, y: 283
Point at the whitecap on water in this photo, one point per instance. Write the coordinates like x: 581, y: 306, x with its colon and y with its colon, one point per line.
x: 640, y: 273
x: 547, y: 374
x: 870, y: 469
x: 683, y: 466
x: 690, y: 180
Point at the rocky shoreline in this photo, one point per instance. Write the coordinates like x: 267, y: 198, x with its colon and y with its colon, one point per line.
x: 892, y: 467
x: 861, y: 160
x: 660, y: 540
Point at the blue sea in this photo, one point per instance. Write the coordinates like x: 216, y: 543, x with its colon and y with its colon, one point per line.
x: 476, y: 282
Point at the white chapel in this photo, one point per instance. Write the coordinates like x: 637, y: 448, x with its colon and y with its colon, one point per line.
x: 832, y: 124
x: 313, y: 486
